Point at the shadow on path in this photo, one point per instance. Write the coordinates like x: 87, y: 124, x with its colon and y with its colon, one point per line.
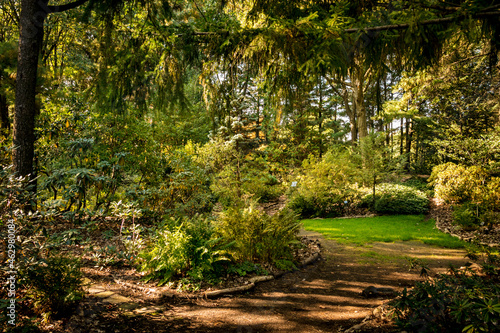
x: 323, y: 297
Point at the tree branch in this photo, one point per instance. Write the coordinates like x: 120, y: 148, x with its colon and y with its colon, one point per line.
x: 68, y: 6
x: 428, y: 22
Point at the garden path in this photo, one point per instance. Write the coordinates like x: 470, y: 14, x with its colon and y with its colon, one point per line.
x: 323, y: 297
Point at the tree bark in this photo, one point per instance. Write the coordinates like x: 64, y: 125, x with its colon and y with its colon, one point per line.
x: 30, y: 40
x: 409, y: 135
x: 320, y: 120
x: 402, y: 138
x: 4, y: 116
x: 358, y: 78
x: 31, y: 20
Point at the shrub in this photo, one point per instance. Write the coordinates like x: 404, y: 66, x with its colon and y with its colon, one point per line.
x: 466, y: 216
x: 250, y: 176
x: 185, y: 247
x: 458, y: 184
x: 325, y: 186
x: 398, y: 199
x: 419, y: 184
x: 54, y: 284
x: 237, y: 173
x: 492, y: 193
x: 182, y: 190
x: 462, y: 301
x: 258, y: 236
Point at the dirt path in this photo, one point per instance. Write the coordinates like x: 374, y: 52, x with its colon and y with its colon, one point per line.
x: 323, y: 297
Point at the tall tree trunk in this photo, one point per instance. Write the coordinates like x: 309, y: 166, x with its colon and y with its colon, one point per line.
x: 30, y: 41
x: 387, y: 135
x: 351, y: 113
x: 409, y: 134
x: 4, y: 116
x: 402, y: 137
x: 417, y: 148
x: 257, y: 122
x: 353, y: 125
x: 359, y: 101
x: 320, y: 120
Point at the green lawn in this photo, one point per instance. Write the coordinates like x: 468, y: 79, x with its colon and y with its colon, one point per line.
x: 383, y: 229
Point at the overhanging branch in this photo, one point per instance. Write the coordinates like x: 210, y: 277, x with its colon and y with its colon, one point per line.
x: 428, y: 22
x: 68, y: 6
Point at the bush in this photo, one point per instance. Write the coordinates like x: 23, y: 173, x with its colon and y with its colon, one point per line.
x: 258, y: 236
x: 53, y: 284
x: 466, y: 216
x: 182, y: 190
x: 462, y: 301
x: 325, y: 186
x: 185, y: 247
x: 398, y: 199
x: 492, y: 194
x: 249, y: 177
x: 237, y: 173
x: 458, y: 184
x: 419, y: 184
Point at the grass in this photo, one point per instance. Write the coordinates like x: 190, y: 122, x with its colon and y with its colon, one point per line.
x: 383, y: 229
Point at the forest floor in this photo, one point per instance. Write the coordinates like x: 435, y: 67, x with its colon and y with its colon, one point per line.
x: 322, y: 297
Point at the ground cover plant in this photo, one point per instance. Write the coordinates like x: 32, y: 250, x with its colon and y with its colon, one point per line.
x: 383, y: 229
x: 464, y: 300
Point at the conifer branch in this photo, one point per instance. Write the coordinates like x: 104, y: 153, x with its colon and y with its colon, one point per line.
x: 68, y: 6
x: 422, y: 23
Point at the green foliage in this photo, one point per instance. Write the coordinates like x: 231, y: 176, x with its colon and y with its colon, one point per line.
x: 258, y: 236
x: 463, y: 301
x: 374, y: 160
x: 325, y: 188
x: 53, y: 284
x: 466, y: 216
x: 458, y: 184
x: 492, y: 194
x: 180, y: 187
x: 16, y: 193
x: 245, y: 267
x: 398, y: 199
x: 236, y: 175
x: 418, y: 184
x: 471, y: 216
x: 483, y: 150
x: 185, y: 246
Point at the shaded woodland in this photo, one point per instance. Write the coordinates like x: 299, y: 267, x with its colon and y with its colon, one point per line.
x: 151, y: 132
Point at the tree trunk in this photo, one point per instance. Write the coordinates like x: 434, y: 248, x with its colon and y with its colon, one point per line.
x: 4, y: 116
x: 354, y: 127
x: 409, y: 134
x: 30, y: 41
x: 257, y: 122
x: 320, y: 120
x: 359, y: 101
x: 402, y: 138
x: 351, y: 113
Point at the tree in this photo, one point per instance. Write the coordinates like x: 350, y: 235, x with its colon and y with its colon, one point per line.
x: 31, y: 21
x: 375, y: 162
x: 356, y: 41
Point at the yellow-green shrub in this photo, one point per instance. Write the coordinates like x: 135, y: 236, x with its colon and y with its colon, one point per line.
x: 326, y: 187
x: 458, y: 184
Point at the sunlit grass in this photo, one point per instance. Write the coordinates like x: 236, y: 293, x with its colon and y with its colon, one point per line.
x: 383, y: 229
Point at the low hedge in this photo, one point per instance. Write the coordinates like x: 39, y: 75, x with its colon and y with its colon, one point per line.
x: 398, y: 199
